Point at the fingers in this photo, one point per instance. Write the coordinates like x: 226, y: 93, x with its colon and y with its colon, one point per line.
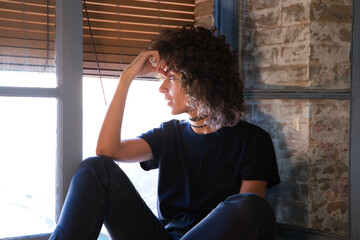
x: 157, y: 64
x: 147, y: 61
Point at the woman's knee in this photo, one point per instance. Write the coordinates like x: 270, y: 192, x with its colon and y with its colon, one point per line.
x: 249, y: 205
x: 95, y: 161
x: 97, y: 167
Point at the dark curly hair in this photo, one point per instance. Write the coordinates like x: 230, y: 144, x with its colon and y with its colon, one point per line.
x: 208, y: 70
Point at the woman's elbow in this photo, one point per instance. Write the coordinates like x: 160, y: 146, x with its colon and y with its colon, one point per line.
x: 103, y: 151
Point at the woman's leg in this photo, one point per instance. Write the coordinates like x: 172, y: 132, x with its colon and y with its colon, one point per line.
x: 241, y: 216
x: 101, y: 192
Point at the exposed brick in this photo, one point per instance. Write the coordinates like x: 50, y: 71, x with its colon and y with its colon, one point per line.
x: 263, y: 18
x: 205, y: 21
x: 264, y: 57
x: 282, y: 77
x: 268, y: 37
x: 325, y: 33
x: 260, y: 4
x: 342, y: 75
x: 296, y: 33
x: 345, y: 35
x: 330, y: 54
x: 204, y: 8
x: 334, y: 2
x: 325, y: 125
x: 298, y: 54
x: 294, y: 14
x: 249, y: 5
x: 330, y: 13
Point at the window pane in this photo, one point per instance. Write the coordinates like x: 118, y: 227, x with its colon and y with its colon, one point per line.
x: 27, y: 79
x: 311, y: 139
x: 27, y: 165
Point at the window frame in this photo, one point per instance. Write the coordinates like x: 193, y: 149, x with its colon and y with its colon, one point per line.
x: 354, y: 164
x: 69, y: 71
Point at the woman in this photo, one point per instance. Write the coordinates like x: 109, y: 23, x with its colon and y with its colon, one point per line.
x: 214, y: 169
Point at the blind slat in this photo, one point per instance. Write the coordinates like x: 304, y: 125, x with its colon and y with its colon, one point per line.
x: 18, y: 33
x: 26, y: 61
x: 30, y: 43
x: 26, y: 8
x: 145, y: 3
x: 26, y: 27
x: 126, y: 19
x: 24, y: 17
x: 111, y: 49
x: 148, y: 12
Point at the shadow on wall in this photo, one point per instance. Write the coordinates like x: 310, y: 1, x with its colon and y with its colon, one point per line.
x: 289, y: 198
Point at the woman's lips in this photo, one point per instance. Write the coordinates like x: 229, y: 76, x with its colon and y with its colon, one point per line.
x: 168, y: 101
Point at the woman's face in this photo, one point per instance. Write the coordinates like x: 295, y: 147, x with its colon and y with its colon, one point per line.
x: 174, y: 93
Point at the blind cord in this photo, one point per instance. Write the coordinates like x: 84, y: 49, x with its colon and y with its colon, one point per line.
x: 47, y: 35
x: 93, y: 45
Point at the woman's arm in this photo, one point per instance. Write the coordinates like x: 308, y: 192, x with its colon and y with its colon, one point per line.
x: 109, y: 141
x: 254, y: 186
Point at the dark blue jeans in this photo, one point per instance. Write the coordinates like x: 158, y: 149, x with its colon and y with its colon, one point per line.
x: 100, y: 192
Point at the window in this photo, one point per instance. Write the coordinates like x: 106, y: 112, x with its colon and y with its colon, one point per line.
x: 53, y: 98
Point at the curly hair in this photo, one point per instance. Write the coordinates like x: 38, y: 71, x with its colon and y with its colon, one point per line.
x: 208, y: 71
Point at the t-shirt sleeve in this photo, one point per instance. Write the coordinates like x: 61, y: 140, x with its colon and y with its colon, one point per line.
x: 154, y: 139
x: 260, y: 161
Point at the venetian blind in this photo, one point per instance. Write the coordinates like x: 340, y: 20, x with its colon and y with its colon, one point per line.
x: 123, y: 28
x: 27, y: 32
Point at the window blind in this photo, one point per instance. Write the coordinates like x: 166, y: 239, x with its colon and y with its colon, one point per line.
x: 121, y: 30
x: 27, y: 31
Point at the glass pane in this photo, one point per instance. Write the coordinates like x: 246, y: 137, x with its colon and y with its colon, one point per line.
x: 311, y: 139
x: 27, y: 79
x: 28, y: 143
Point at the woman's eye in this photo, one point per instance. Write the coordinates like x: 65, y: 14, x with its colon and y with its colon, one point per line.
x: 171, y: 78
x: 161, y: 78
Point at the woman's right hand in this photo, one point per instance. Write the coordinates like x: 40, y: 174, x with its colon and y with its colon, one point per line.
x: 142, y: 64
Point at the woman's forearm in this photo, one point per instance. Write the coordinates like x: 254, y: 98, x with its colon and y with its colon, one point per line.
x: 110, y: 134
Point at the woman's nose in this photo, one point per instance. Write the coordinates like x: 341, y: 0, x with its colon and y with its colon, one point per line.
x: 163, y: 87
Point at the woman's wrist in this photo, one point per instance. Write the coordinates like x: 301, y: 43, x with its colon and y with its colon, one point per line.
x: 127, y: 76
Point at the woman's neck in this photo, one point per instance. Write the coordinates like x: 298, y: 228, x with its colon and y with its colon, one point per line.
x: 199, y: 124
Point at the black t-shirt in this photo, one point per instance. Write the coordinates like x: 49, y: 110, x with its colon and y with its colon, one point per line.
x: 198, y: 171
